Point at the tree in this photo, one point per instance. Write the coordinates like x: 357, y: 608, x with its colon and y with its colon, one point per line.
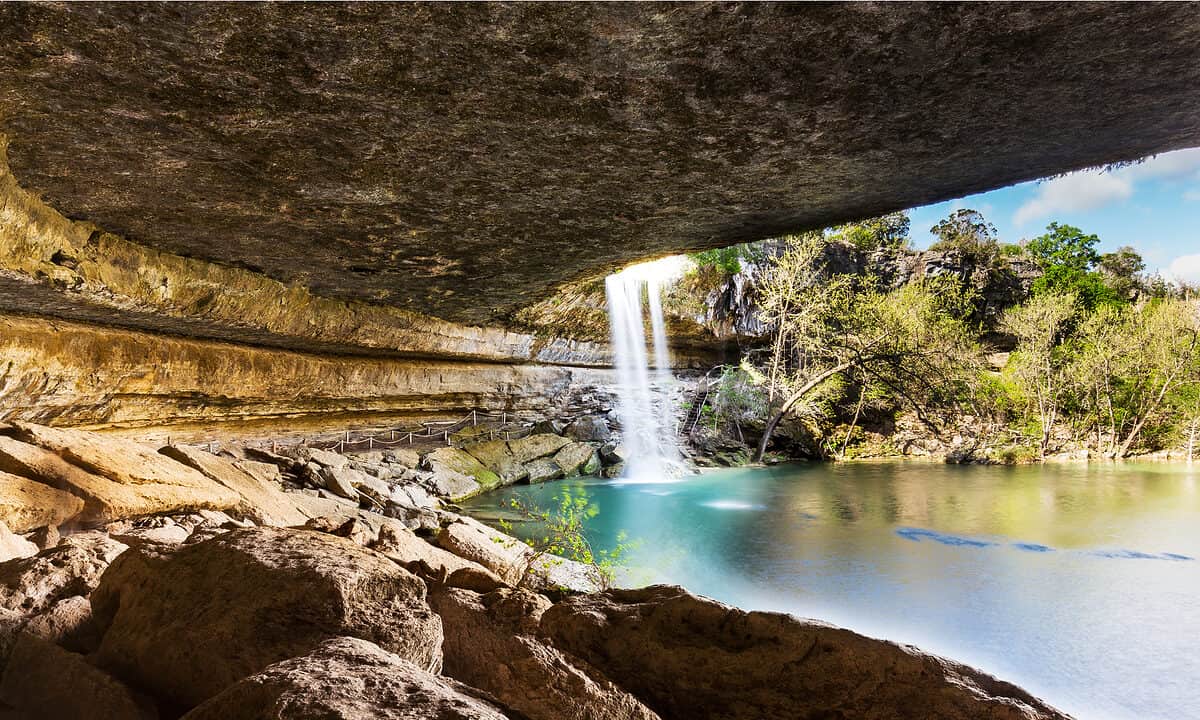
x: 885, y: 231
x: 1039, y: 363
x: 827, y: 327
x: 1163, y: 338
x: 1121, y: 269
x: 969, y: 233
x: 1068, y: 258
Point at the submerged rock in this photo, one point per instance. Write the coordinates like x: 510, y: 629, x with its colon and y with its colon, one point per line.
x: 347, y: 679
x: 187, y: 625
x: 691, y: 658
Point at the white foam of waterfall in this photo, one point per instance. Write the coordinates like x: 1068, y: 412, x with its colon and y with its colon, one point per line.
x: 644, y: 407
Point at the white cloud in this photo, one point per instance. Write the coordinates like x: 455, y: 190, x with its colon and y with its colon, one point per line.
x: 1078, y: 191
x: 1184, y: 267
x: 1169, y: 166
x: 1192, y: 194
x: 1091, y: 189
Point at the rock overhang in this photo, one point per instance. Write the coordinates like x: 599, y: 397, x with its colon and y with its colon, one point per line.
x: 462, y: 161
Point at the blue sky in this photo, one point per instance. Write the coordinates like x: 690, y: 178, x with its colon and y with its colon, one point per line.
x: 1153, y: 206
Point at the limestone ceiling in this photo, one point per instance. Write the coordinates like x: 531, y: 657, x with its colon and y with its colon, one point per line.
x: 463, y: 160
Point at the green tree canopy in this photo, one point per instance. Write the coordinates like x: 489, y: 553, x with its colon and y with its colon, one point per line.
x: 1068, y: 259
x: 968, y: 232
x: 885, y: 231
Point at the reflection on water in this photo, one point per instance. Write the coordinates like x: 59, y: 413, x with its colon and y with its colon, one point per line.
x: 1078, y: 582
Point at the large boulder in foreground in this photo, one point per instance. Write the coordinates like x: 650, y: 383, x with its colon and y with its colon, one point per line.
x: 187, y: 625
x: 26, y: 505
x: 115, y: 478
x: 47, y: 682
x: 348, y: 679
x: 489, y: 646
x: 691, y: 658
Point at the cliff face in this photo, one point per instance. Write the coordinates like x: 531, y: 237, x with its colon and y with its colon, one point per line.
x: 72, y: 374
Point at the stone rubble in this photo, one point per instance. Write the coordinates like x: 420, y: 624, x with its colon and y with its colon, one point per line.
x: 185, y: 583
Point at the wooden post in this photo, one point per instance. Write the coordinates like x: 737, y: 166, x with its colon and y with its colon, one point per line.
x: 370, y: 443
x: 474, y: 419
x: 410, y: 437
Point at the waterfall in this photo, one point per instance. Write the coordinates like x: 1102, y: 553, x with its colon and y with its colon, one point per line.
x: 644, y: 407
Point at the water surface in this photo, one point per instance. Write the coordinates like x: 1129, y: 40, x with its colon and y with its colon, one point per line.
x: 1079, y: 582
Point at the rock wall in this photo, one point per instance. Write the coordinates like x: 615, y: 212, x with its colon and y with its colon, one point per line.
x: 72, y: 374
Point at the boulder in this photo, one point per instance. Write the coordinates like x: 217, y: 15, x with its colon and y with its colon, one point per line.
x: 172, y: 534
x: 552, y: 427
x: 45, y: 537
x: 73, y: 567
x: 49, y: 683
x: 691, y: 658
x: 402, y: 546
x: 327, y: 458
x: 476, y: 578
x: 531, y: 448
x: 348, y: 679
x: 68, y: 623
x: 497, y: 457
x: 114, y: 478
x: 613, y: 454
x: 578, y: 459
x: 543, y: 470
x: 486, y: 648
x: 257, y: 483
x: 402, y: 456
x: 592, y: 428
x: 283, y: 462
x: 26, y: 504
x: 512, y: 560
x: 187, y: 625
x: 458, y: 474
x: 615, y: 470
x: 342, y: 480
x: 13, y: 546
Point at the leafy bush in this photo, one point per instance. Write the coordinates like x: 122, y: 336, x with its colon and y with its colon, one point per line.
x: 562, y: 533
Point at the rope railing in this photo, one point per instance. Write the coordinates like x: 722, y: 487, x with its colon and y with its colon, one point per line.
x: 445, y: 430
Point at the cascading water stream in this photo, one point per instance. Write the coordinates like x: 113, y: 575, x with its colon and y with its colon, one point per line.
x: 643, y: 407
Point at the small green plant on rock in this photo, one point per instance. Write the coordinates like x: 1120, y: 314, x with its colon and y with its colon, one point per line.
x: 561, y: 535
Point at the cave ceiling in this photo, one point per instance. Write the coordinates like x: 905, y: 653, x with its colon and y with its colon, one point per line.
x: 463, y: 160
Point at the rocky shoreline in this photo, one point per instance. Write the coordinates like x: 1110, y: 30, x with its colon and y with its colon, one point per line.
x: 141, y: 583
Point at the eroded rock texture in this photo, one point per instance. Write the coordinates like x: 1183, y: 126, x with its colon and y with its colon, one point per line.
x: 462, y: 160
x: 188, y: 625
x: 691, y: 658
x: 348, y: 679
